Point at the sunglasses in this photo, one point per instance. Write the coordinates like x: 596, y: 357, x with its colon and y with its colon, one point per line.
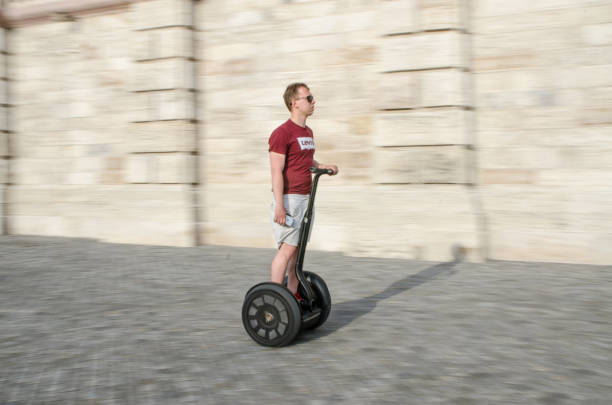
x: 308, y: 98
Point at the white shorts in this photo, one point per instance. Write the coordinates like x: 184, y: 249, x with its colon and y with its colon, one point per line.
x: 295, y: 205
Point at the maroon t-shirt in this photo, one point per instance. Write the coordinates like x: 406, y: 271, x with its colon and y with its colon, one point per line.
x: 297, y: 144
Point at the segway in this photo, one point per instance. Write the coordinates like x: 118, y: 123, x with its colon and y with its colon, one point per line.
x: 271, y: 314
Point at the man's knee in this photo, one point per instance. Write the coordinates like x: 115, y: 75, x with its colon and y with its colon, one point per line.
x: 288, y: 250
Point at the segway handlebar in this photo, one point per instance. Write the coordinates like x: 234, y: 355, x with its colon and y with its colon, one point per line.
x: 314, y: 170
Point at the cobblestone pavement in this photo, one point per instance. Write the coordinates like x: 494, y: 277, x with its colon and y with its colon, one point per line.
x: 83, y: 322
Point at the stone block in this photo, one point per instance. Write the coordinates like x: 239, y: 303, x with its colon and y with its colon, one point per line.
x: 521, y: 157
x: 540, y: 44
x: 235, y: 51
x: 579, y: 157
x: 4, y: 152
x: 508, y: 176
x: 598, y: 97
x: 398, y: 17
x: 586, y: 156
x: 37, y: 225
x: 29, y: 171
x: 228, y: 233
x: 547, y: 246
x: 429, y: 88
x: 491, y: 8
x: 561, y: 17
x: 527, y: 119
x: 427, y: 50
x: 597, y: 34
x: 431, y: 126
x: 286, y: 12
x: 162, y: 136
x: 445, y: 87
x: 430, y: 220
x: 596, y: 116
x: 423, y: 164
x: 3, y: 171
x: 517, y: 80
x: 523, y: 99
x: 235, y: 168
x: 585, y: 76
x: 589, y: 55
x: 232, y: 207
x: 4, y: 125
x: 319, y: 25
x: 174, y: 42
x: 144, y: 214
x: 442, y: 14
x: 81, y: 178
x: 3, y: 66
x: 173, y: 105
x: 245, y: 18
x: 79, y: 108
x: 547, y: 223
x: 165, y: 74
x: 82, y: 137
x: 560, y: 177
x: 141, y: 168
x: 2, y: 217
x: 161, y: 13
x: 355, y: 165
x: 173, y: 168
x: 359, y: 21
x: 225, y: 100
x: 236, y: 18
x: 113, y: 170
x: 399, y: 90
x: 3, y: 87
x: 164, y: 105
x: 90, y: 162
x: 577, y: 136
x: 176, y: 168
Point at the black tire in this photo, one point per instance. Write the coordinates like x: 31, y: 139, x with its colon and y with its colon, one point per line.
x: 271, y: 315
x: 322, y: 297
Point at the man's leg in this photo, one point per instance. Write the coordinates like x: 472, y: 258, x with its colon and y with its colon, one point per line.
x: 292, y: 281
x: 281, y: 261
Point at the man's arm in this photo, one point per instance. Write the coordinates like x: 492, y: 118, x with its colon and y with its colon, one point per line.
x: 322, y: 166
x: 277, y: 164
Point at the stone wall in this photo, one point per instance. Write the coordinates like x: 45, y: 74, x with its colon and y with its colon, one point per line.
x: 544, y: 128
x: 98, y: 151
x: 474, y: 126
x: 377, y: 87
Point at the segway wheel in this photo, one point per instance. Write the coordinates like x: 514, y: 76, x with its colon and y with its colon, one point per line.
x: 322, y: 298
x: 271, y: 315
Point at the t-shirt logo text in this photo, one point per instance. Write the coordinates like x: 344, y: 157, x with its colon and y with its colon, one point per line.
x: 306, y: 143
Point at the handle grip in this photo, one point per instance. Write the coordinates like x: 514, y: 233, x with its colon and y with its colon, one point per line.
x: 314, y: 170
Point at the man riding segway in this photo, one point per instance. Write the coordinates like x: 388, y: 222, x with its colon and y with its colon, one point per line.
x: 273, y: 312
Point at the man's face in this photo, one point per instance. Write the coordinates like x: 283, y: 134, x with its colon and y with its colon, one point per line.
x: 301, y: 102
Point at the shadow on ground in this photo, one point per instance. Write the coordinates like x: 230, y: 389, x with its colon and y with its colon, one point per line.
x: 345, y: 313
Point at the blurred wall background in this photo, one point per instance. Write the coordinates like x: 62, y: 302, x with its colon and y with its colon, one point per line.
x: 479, y: 127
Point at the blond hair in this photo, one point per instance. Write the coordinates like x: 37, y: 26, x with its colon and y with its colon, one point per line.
x: 291, y: 93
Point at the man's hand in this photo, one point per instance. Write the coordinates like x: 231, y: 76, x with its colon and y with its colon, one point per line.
x: 280, y: 214
x: 334, y: 168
